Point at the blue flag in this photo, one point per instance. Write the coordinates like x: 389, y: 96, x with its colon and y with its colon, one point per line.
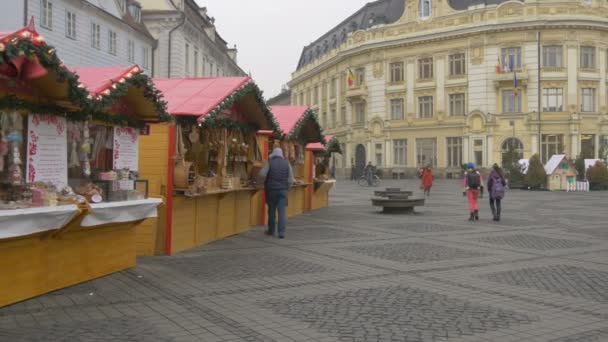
x: 515, y: 84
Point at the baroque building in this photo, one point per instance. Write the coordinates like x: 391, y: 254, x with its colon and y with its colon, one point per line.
x: 405, y: 83
x: 188, y: 42
x: 87, y: 33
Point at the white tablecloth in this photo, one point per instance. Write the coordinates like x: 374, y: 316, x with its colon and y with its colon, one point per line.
x: 120, y: 212
x: 23, y: 222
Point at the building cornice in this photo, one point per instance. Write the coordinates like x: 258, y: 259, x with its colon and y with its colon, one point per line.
x: 466, y: 32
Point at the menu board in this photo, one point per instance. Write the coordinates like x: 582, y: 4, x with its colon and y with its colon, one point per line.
x: 126, y: 148
x: 47, y: 150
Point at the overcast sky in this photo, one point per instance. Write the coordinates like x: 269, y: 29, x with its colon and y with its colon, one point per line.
x: 270, y: 34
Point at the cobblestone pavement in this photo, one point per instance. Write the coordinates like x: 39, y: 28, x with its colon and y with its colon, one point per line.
x: 350, y: 273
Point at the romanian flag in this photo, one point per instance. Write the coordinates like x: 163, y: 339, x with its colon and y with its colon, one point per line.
x: 515, y: 84
x: 498, y: 67
x: 350, y: 79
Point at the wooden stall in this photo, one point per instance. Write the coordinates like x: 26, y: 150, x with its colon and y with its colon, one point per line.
x: 300, y: 127
x: 205, y: 164
x: 57, y: 227
x: 322, y: 181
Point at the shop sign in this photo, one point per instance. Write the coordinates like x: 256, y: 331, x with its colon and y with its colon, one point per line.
x: 47, y: 146
x: 126, y: 148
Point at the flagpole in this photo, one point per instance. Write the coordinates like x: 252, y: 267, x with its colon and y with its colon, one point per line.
x: 540, y: 105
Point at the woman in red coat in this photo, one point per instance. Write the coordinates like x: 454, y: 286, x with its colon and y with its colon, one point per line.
x: 427, y: 180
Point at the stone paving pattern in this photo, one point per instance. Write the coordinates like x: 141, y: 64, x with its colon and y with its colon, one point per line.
x: 350, y: 273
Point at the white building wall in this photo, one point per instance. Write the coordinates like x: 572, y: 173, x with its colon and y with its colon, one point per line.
x: 376, y: 88
x: 530, y: 60
x: 79, y: 52
x: 480, y: 90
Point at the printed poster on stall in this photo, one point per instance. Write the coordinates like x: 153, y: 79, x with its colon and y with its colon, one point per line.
x: 47, y: 150
x: 126, y: 148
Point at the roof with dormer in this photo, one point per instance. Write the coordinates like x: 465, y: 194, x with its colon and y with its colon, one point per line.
x: 460, y: 5
x: 372, y: 14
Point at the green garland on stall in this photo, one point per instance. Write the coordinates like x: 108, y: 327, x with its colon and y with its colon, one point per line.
x: 119, y: 90
x: 229, y: 101
x: 219, y: 122
x: 91, y: 109
x: 309, y: 116
x: 11, y: 102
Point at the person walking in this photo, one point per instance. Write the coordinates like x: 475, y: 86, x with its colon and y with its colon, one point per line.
x: 353, y: 172
x: 277, y: 176
x: 473, y: 189
x: 427, y: 180
x: 369, y: 173
x: 496, y: 190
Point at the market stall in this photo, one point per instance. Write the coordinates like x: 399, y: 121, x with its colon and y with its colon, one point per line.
x: 205, y: 164
x: 322, y: 181
x: 300, y: 127
x: 55, y: 229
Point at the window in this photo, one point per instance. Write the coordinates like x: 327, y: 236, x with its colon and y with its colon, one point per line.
x: 324, y: 91
x: 454, y: 149
x: 396, y: 72
x: 359, y: 77
x: 112, y: 42
x: 426, y: 151
x: 343, y: 115
x: 205, y: 67
x: 457, y: 64
x: 360, y: 112
x: 511, y: 58
x: 196, y: 63
x: 397, y: 109
x: 425, y: 107
x: 334, y: 88
x: 588, y: 57
x: 553, y: 99
x: 315, y: 95
x: 552, y: 144
x: 400, y: 152
x: 425, y: 68
x: 135, y: 12
x: 552, y: 57
x: 70, y: 24
x: 95, y: 36
x: 511, y: 103
x: 588, y: 100
x: 478, y: 150
x: 512, y: 151
x: 145, y: 57
x: 588, y: 146
x: 131, y: 51
x: 217, y: 71
x: 187, y: 60
x: 425, y: 9
x: 457, y: 105
x: 46, y: 14
x: 324, y: 120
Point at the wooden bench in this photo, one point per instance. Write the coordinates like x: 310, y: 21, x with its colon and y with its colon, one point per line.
x: 395, y: 200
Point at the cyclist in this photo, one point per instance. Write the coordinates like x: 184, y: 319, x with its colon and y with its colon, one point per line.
x: 370, y: 171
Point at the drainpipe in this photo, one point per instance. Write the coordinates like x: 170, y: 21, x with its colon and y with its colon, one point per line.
x: 25, y: 7
x: 183, y: 21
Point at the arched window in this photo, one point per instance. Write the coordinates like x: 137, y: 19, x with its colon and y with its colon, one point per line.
x: 512, y: 151
x: 425, y: 8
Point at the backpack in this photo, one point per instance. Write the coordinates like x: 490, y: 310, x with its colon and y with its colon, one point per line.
x: 473, y: 180
x: 498, y: 189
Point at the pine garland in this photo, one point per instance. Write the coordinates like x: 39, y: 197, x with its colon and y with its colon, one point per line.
x: 309, y: 116
x: 32, y: 46
x: 231, y: 99
x: 333, y: 146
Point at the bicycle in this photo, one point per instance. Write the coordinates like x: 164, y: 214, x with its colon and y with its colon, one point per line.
x: 363, y: 181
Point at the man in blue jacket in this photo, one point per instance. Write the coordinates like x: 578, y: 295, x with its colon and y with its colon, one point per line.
x: 278, y: 178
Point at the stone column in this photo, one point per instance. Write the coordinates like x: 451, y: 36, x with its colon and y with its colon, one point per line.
x: 490, y: 150
x: 410, y: 76
x: 602, y: 89
x: 597, y: 147
x: 466, y: 153
x: 574, y: 149
x: 572, y: 51
x: 388, y: 154
x: 440, y: 82
x: 534, y: 142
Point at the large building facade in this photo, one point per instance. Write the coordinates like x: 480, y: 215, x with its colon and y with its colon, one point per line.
x: 405, y: 83
x: 188, y: 43
x: 86, y: 33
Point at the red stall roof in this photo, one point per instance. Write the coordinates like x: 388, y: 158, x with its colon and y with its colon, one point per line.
x: 197, y: 96
x: 318, y: 146
x: 98, y: 80
x: 288, y: 116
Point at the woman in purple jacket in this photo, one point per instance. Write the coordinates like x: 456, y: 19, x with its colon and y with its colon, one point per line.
x: 496, y: 189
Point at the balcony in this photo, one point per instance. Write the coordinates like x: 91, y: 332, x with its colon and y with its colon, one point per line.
x: 506, y: 79
x: 357, y: 92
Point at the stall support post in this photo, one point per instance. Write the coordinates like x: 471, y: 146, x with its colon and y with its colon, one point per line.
x: 310, y: 170
x: 264, y: 142
x: 169, y: 195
